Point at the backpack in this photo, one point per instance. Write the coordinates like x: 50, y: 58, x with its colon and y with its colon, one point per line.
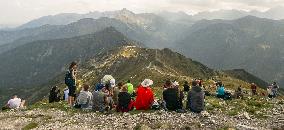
x: 227, y: 96
x: 69, y: 81
x: 156, y: 105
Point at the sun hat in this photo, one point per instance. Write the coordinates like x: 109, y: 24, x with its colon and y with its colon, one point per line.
x: 147, y: 83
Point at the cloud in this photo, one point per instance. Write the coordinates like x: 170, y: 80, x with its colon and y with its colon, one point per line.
x: 21, y: 11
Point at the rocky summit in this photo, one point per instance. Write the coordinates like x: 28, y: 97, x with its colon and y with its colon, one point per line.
x: 268, y: 114
x: 60, y: 116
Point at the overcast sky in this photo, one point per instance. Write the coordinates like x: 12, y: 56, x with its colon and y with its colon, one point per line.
x: 21, y: 11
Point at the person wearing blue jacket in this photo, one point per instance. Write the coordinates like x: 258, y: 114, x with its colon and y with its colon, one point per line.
x: 220, y: 90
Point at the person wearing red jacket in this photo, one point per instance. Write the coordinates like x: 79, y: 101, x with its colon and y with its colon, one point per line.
x: 145, y: 96
x: 253, y: 89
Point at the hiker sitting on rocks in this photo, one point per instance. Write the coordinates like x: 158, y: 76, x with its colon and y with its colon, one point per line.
x: 116, y: 91
x: 274, y: 89
x: 84, y: 100
x: 54, y: 95
x: 239, y: 93
x: 180, y: 94
x: 170, y: 97
x: 195, y: 98
x: 125, y: 103
x: 15, y: 103
x: 130, y: 88
x: 108, y: 92
x: 100, y: 100
x: 253, y: 89
x: 220, y: 90
x: 65, y: 94
x: 186, y: 87
x: 269, y: 92
x: 145, y: 96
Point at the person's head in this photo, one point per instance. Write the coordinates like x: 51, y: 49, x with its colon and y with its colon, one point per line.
x: 108, y: 86
x: 274, y: 83
x: 168, y: 83
x: 86, y: 87
x: 147, y: 83
x: 175, y: 84
x: 73, y: 65
x: 14, y: 96
x: 119, y: 85
x: 128, y: 81
x: 252, y: 83
x: 124, y: 88
x: 220, y: 83
x: 194, y: 83
x: 185, y: 82
x: 54, y: 88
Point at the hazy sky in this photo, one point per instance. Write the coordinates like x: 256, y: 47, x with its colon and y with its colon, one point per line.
x: 21, y: 11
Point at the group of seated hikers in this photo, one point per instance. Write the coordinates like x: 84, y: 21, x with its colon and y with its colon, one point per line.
x: 122, y: 97
x: 107, y: 95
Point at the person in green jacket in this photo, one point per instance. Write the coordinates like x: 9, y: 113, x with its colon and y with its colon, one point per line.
x: 129, y: 87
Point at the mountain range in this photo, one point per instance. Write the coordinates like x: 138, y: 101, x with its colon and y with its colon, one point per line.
x: 275, y: 13
x: 36, y: 54
x: 31, y: 73
x: 251, y: 43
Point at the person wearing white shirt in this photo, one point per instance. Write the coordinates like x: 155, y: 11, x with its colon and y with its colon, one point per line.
x: 15, y: 103
x: 66, y: 92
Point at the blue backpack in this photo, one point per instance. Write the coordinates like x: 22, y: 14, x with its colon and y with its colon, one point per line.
x: 69, y: 81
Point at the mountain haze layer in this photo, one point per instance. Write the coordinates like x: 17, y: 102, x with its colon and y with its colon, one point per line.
x: 251, y: 43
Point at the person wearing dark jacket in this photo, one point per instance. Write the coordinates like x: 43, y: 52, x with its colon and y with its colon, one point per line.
x: 171, y: 97
x: 195, y: 98
x: 54, y: 95
x: 125, y: 103
x: 186, y: 87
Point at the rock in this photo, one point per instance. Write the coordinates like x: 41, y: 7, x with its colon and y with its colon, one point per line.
x: 205, y: 114
x: 213, y: 121
x: 245, y: 127
x: 165, y: 127
x: 144, y: 127
x: 246, y: 115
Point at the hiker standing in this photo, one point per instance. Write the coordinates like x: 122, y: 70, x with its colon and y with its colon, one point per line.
x: 70, y: 81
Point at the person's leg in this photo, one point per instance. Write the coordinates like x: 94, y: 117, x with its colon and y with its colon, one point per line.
x: 131, y: 106
x: 72, y: 100
x: 69, y: 100
x: 72, y: 95
x: 69, y: 95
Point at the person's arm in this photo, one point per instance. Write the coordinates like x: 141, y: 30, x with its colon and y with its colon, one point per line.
x: 73, y: 74
x: 188, y: 100
x: 8, y: 104
x: 163, y: 97
x: 105, y: 99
